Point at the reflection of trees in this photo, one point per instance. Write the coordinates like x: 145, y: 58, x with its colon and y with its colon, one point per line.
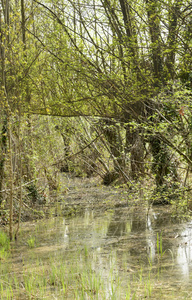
x: 135, y: 240
x: 184, y: 251
x: 144, y: 229
x: 138, y: 225
x: 117, y: 225
x: 163, y: 219
x: 160, y: 221
x: 138, y: 222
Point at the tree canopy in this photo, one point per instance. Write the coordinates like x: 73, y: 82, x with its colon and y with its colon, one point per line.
x: 118, y: 73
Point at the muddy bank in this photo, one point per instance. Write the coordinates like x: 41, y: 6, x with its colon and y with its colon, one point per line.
x: 77, y: 194
x: 80, y: 194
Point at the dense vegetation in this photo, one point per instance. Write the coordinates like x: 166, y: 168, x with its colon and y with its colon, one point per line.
x: 93, y: 87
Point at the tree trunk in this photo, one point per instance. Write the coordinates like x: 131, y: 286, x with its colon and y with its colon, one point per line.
x: 154, y: 31
x: 3, y: 153
x: 174, y: 11
x: 10, y: 182
x: 113, y: 137
x: 161, y: 160
x: 135, y: 146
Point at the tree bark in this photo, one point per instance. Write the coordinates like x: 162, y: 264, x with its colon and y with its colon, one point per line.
x: 154, y: 31
x: 3, y: 154
x: 174, y: 11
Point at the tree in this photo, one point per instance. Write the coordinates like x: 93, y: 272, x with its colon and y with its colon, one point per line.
x: 118, y: 70
x: 126, y: 65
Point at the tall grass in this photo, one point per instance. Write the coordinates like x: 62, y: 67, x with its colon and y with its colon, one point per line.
x: 59, y: 279
x: 160, y: 251
x: 4, y: 240
x: 4, y: 245
x: 82, y: 274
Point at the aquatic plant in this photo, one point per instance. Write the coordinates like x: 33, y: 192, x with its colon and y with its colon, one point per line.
x: 4, y: 240
x: 31, y: 242
x: 77, y: 270
x: 160, y: 251
x: 4, y: 245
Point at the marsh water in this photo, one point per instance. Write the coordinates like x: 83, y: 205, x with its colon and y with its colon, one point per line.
x: 121, y: 253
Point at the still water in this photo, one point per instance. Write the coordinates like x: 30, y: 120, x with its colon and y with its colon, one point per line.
x: 127, y: 253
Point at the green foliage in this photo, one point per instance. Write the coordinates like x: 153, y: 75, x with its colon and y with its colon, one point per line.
x: 31, y: 242
x: 4, y: 244
x: 4, y: 240
x: 124, y: 92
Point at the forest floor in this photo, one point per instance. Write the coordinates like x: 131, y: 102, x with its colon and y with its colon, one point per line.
x: 78, y: 194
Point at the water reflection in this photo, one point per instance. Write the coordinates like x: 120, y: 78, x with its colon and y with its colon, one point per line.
x: 117, y: 225
x: 184, y: 251
x: 136, y: 235
x: 124, y: 240
x: 133, y: 235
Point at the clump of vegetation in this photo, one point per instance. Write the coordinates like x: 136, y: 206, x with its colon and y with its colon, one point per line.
x: 31, y: 242
x: 4, y: 240
x: 4, y: 244
x: 98, y: 101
